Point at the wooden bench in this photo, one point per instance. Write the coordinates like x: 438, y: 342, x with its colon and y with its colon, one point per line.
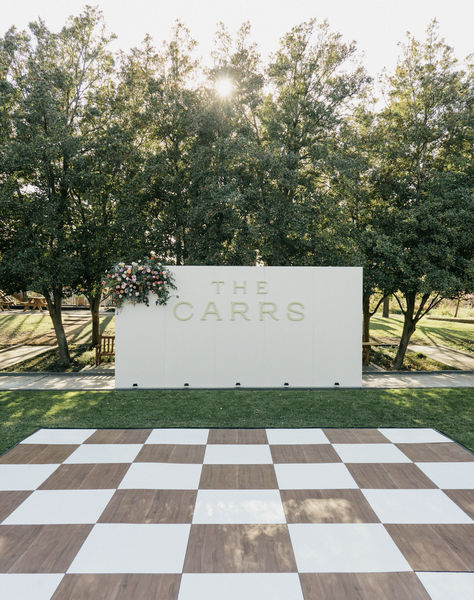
x: 6, y: 302
x: 105, y: 347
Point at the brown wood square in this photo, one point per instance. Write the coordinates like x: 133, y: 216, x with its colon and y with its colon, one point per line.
x: 389, y: 476
x: 355, y: 436
x: 238, y: 477
x: 86, y: 477
x: 464, y: 499
x: 237, y: 436
x: 9, y: 501
x: 304, y: 453
x: 40, y: 548
x: 239, y: 549
x: 118, y: 587
x: 150, y: 506
x: 435, y: 547
x: 119, y: 436
x: 171, y: 453
x: 38, y: 454
x: 327, y: 506
x: 438, y: 452
x: 366, y: 586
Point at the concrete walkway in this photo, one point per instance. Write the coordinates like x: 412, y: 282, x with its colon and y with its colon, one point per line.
x: 17, y: 354
x: 105, y: 380
x: 448, y: 356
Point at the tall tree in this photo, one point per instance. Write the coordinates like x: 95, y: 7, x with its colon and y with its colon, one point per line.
x: 51, y: 81
x: 425, y: 177
x: 313, y: 86
x: 227, y: 155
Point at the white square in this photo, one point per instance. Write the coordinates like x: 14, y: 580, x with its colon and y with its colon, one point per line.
x: 24, y: 477
x: 450, y: 475
x: 238, y: 506
x: 345, y: 548
x: 448, y: 586
x: 237, y: 454
x: 413, y: 436
x: 296, y: 436
x: 414, y: 506
x: 15, y: 586
x: 178, y: 436
x: 235, y: 586
x: 370, y: 453
x: 59, y: 436
x: 104, y: 453
x: 317, y: 476
x: 48, y: 507
x: 161, y: 476
x: 124, y: 548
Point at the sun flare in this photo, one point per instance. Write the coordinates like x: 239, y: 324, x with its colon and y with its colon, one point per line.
x: 224, y: 87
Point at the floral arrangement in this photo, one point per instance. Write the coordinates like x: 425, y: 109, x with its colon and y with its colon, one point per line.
x: 134, y: 283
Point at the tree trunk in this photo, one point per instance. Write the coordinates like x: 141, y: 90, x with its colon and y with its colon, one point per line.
x: 409, y: 326
x: 386, y: 307
x: 54, y: 300
x: 457, y: 307
x: 366, y: 327
x: 94, y: 304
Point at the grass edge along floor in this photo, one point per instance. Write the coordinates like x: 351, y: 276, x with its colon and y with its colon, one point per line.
x: 449, y: 410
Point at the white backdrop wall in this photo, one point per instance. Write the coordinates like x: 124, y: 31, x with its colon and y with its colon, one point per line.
x: 253, y: 326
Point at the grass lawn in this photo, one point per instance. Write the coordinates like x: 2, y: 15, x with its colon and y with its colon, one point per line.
x: 20, y: 328
x: 445, y: 333
x: 448, y: 410
x: 413, y: 361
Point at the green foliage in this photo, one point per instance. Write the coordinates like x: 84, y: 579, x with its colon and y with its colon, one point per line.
x: 297, y: 166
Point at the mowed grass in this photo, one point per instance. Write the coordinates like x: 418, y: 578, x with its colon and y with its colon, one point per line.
x: 19, y: 328
x: 432, y: 333
x: 448, y: 410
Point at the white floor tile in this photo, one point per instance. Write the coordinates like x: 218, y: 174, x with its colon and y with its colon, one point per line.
x: 61, y: 507
x: 123, y: 548
x: 237, y: 454
x: 178, y: 436
x: 345, y: 548
x: 413, y: 436
x: 296, y: 436
x: 415, y: 506
x: 24, y: 477
x: 323, y: 476
x: 15, y: 586
x: 450, y: 475
x: 238, y: 506
x: 59, y: 436
x: 448, y: 586
x: 370, y: 453
x: 104, y: 453
x: 161, y: 476
x: 236, y: 586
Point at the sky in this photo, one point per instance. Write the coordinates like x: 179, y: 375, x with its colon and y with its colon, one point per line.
x: 376, y: 25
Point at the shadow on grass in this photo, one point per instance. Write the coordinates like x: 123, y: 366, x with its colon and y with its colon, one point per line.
x: 448, y: 410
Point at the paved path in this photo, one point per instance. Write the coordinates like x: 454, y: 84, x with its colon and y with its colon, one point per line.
x: 18, y: 354
x: 446, y: 355
x: 275, y: 514
x: 104, y: 380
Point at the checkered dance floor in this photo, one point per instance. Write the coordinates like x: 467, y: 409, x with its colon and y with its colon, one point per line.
x: 229, y: 514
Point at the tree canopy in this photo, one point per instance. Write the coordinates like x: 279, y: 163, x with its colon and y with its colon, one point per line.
x: 106, y: 156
